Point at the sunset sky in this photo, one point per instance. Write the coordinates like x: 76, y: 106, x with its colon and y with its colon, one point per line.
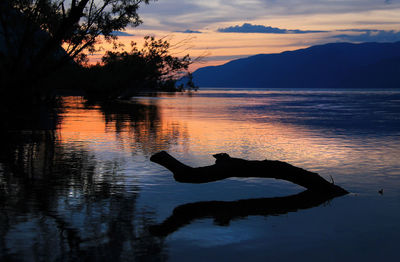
x: 222, y: 30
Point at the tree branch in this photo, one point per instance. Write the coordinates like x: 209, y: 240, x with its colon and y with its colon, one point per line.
x: 226, y: 167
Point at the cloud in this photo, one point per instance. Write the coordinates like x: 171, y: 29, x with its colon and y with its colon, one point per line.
x: 188, y: 31
x: 119, y: 33
x: 369, y: 35
x: 249, y: 28
x: 181, y: 14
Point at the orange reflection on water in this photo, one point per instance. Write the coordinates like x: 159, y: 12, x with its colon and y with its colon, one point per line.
x: 196, y: 127
x: 83, y: 125
x: 215, y: 125
x: 135, y: 129
x: 218, y: 131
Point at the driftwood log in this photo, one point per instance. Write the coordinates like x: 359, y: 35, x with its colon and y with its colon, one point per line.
x: 226, y: 166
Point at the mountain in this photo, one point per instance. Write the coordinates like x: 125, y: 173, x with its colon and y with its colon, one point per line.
x: 335, y: 65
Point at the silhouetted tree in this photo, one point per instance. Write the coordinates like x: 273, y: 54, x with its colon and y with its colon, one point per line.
x: 33, y: 31
x: 151, y: 67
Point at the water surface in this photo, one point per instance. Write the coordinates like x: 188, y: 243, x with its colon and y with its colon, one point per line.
x: 83, y: 187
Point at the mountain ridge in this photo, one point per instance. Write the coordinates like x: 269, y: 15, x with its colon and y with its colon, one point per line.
x: 332, y: 65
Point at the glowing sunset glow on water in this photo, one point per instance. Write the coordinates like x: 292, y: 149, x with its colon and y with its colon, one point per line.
x: 93, y: 173
x: 209, y: 125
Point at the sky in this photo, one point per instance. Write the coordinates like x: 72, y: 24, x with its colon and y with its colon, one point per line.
x: 217, y: 31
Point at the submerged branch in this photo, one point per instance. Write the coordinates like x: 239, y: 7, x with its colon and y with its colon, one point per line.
x: 227, y: 166
x: 318, y: 190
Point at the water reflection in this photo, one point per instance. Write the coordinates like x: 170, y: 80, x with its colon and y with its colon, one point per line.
x: 351, y: 135
x: 355, y: 113
x: 60, y: 203
x: 78, y: 181
x: 148, y: 132
x: 223, y: 211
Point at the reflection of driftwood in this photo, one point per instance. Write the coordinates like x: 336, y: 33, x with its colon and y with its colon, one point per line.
x: 223, y: 212
x: 227, y: 166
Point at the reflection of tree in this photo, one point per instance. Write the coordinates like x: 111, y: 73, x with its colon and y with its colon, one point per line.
x: 143, y: 122
x: 73, y: 205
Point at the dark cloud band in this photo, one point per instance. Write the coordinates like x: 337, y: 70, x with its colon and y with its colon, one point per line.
x: 188, y: 31
x: 369, y: 35
x: 249, y: 28
x: 119, y: 33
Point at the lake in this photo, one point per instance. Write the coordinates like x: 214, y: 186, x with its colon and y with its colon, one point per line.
x: 78, y: 185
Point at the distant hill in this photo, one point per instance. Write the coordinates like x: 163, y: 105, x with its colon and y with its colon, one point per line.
x: 336, y: 65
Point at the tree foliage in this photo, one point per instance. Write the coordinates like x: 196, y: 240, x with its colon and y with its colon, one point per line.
x: 39, y: 36
x: 154, y: 62
x: 152, y: 67
x: 32, y: 31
